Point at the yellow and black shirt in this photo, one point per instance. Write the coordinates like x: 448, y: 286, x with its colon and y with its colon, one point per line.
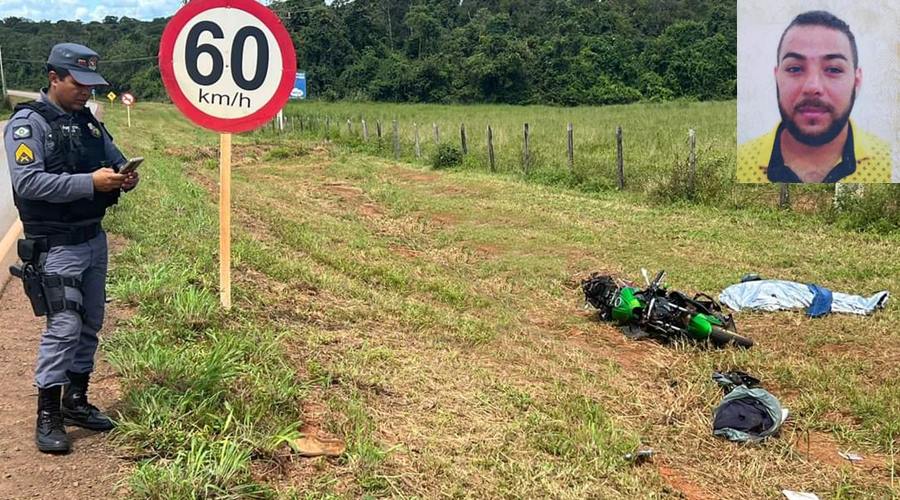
x: 865, y: 159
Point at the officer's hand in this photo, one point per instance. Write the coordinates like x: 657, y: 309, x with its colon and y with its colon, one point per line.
x: 106, y: 180
x: 131, y: 180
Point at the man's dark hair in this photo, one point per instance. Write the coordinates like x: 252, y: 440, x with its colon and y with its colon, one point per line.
x: 60, y: 72
x: 826, y: 19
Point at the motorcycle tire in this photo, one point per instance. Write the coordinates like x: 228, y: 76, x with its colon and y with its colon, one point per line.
x: 721, y: 338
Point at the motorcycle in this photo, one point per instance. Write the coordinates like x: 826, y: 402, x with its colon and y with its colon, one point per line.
x: 659, y: 313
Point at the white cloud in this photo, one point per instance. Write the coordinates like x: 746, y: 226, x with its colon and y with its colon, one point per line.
x: 92, y: 10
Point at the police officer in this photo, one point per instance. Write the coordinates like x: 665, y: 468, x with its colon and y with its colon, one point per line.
x: 63, y: 166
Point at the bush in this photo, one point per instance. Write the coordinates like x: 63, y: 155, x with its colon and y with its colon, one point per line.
x: 713, y: 182
x: 875, y: 208
x: 446, y: 156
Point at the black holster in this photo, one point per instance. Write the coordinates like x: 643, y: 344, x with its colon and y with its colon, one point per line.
x: 46, y: 292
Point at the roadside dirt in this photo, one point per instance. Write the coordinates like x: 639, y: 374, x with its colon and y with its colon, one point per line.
x: 92, y: 469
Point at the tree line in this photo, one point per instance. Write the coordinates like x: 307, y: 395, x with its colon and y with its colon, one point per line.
x: 563, y: 52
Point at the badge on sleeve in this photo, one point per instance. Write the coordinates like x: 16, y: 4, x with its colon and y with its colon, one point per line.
x: 22, y: 132
x: 24, y: 155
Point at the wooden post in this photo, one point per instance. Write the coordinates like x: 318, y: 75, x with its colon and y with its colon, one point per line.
x: 365, y: 130
x: 462, y: 138
x: 378, y: 128
x: 301, y: 123
x: 396, y: 140
x: 692, y: 161
x: 225, y: 220
x: 490, y: 145
x: 327, y: 124
x: 418, y: 147
x: 349, y: 127
x: 293, y: 125
x: 437, y: 133
x: 570, y: 143
x: 784, y: 197
x: 620, y: 161
x: 525, y: 151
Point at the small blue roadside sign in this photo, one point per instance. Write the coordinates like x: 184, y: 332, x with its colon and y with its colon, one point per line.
x: 299, y: 91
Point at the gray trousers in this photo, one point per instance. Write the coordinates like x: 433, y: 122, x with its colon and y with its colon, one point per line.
x: 70, y: 340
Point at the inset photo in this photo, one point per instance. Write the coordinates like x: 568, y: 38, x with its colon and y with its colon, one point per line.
x: 818, y: 91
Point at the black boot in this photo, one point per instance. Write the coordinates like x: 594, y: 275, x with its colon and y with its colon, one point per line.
x: 50, y: 434
x: 77, y: 410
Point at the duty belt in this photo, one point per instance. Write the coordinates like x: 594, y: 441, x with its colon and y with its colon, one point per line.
x: 74, y: 236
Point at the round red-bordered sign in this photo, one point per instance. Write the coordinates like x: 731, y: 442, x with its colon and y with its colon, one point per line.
x: 127, y: 99
x: 219, y: 99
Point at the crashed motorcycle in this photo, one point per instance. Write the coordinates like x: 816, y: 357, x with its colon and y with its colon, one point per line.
x: 659, y: 313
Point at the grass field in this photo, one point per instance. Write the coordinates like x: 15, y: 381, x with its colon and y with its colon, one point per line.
x: 433, y: 320
x: 655, y: 145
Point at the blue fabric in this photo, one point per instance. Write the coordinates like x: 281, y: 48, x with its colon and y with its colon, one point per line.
x: 821, y: 301
x: 775, y: 295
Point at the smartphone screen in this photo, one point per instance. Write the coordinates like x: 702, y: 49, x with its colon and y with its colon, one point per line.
x: 131, y: 165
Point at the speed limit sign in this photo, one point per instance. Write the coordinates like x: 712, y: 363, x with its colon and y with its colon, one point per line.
x: 228, y: 65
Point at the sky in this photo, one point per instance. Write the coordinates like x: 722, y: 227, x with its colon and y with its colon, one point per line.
x: 88, y: 10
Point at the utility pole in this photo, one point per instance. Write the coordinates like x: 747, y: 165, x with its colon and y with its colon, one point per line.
x: 2, y: 74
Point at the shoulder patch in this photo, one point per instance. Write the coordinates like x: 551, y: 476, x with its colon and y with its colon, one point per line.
x: 22, y: 132
x: 24, y: 155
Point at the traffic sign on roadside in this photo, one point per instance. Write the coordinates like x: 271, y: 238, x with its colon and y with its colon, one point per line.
x: 111, y: 96
x: 228, y: 65
x: 128, y: 101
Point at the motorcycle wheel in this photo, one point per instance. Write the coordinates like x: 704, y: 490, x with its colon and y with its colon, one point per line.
x: 721, y: 337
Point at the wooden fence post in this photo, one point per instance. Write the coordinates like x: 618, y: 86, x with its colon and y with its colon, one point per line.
x: 437, y: 133
x: 462, y: 138
x: 418, y: 148
x: 490, y: 145
x: 620, y: 161
x: 784, y: 197
x: 378, y: 128
x: 396, y: 140
x: 570, y: 141
x: 327, y: 123
x: 365, y: 131
x: 525, y: 151
x: 692, y: 162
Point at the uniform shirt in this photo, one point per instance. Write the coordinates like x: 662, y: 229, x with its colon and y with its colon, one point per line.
x: 866, y: 159
x: 29, y: 180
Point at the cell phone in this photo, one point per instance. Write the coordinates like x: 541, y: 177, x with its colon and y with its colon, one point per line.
x: 131, y: 165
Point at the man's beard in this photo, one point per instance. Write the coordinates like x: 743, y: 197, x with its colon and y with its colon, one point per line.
x: 823, y: 137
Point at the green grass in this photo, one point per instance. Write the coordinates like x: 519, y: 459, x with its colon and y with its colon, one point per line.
x: 204, y: 391
x: 432, y: 320
x: 655, y: 152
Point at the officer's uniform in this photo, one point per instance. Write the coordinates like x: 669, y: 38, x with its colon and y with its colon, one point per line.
x: 51, y: 155
x: 54, y: 201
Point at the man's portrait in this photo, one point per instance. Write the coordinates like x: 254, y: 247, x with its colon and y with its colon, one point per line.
x: 817, y: 92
